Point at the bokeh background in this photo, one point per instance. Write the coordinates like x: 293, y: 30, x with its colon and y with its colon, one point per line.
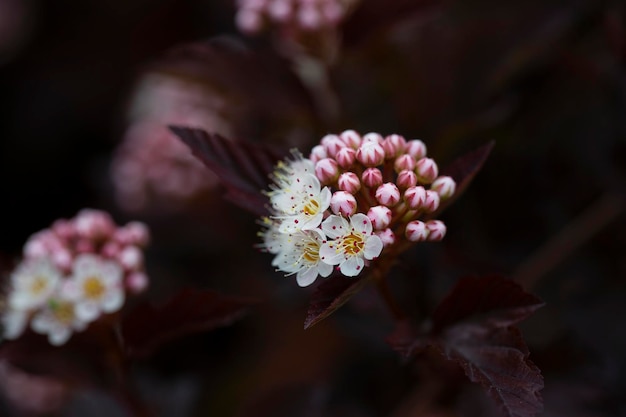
x: 545, y: 80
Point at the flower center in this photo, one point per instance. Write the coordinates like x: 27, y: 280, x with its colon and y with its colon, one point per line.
x: 311, y: 252
x: 38, y: 285
x: 312, y: 207
x: 93, y: 288
x: 352, y: 244
x: 63, y: 312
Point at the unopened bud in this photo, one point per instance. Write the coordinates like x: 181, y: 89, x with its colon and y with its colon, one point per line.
x: 431, y: 203
x: 380, y: 216
x: 345, y: 157
x: 370, y: 153
x: 318, y: 153
x: 136, y: 282
x: 406, y: 179
x: 415, y: 197
x: 394, y: 146
x: 349, y: 182
x: 332, y: 144
x: 387, y: 236
x: 372, y: 177
x: 416, y: 149
x: 426, y: 170
x: 138, y: 233
x: 388, y: 194
x: 309, y: 17
x: 416, y: 231
x: 94, y: 224
x: 404, y: 162
x: 131, y: 258
x: 351, y: 138
x: 444, y: 186
x: 343, y: 203
x: 436, y: 230
x: 279, y: 10
x: 327, y: 170
x: 373, y: 137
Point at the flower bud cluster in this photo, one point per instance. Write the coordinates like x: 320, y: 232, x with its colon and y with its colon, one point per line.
x: 305, y: 15
x: 72, y: 273
x: 354, y: 198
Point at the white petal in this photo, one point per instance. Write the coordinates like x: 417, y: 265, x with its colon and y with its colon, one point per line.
x: 361, y: 223
x: 113, y: 300
x: 335, y: 226
x: 14, y: 324
x: 86, y: 311
x: 324, y: 269
x: 352, y: 266
x: 325, y: 197
x: 59, y: 336
x: 373, y: 247
x: 329, y: 255
x: 306, y: 276
x: 40, y: 323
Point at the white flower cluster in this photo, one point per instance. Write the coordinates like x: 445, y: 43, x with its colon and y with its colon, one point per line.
x: 306, y: 239
x: 352, y: 197
x: 73, y: 273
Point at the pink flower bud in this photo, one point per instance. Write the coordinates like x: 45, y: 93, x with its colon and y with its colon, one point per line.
x: 387, y: 236
x: 444, y: 186
x: 380, y: 216
x: 431, y: 203
x: 332, y: 12
x: 279, y: 10
x: 64, y: 229
x: 388, y: 194
x: 138, y: 233
x: 345, y: 157
x: 248, y: 20
x: 332, y: 144
x: 416, y: 149
x: 94, y: 224
x: 111, y: 249
x: 309, y: 17
x: 131, y: 258
x: 351, y: 138
x: 62, y: 258
x: 436, y: 230
x: 136, y: 282
x: 349, y: 182
x: 343, y: 203
x: 373, y: 137
x: 415, y: 197
x: 393, y: 145
x: 426, y: 170
x: 406, y: 179
x: 372, y: 177
x: 404, y: 162
x: 327, y: 170
x: 370, y: 153
x: 35, y: 248
x: 416, y: 231
x: 318, y: 153
x: 85, y: 246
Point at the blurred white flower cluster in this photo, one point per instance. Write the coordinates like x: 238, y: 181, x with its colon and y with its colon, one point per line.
x: 352, y: 199
x: 306, y: 15
x: 72, y: 273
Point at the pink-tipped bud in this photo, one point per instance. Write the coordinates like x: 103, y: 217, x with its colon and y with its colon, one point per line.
x: 373, y: 137
x: 415, y: 197
x: 332, y: 144
x: 332, y: 12
x: 137, y: 282
x: 84, y: 246
x: 426, y: 170
x: 406, y: 179
x: 318, y: 153
x: 372, y: 177
x: 404, y: 162
x: 138, y: 233
x: 444, y: 186
x: 349, y: 182
x: 62, y: 259
x: 345, y: 157
x: 35, y: 248
x: 380, y: 216
x: 431, y: 203
x: 343, y: 203
x: 64, y: 229
x: 94, y: 224
x: 394, y: 146
x: 388, y: 194
x: 309, y: 17
x: 327, y: 170
x: 249, y: 20
x: 131, y: 258
x: 436, y: 230
x: 387, y: 236
x: 279, y: 10
x: 416, y: 231
x: 111, y: 249
x: 351, y: 138
x: 416, y: 149
x: 370, y: 153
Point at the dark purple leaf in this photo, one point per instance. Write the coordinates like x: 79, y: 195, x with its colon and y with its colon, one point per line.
x: 485, y: 302
x: 330, y: 295
x: 242, y: 167
x: 190, y: 311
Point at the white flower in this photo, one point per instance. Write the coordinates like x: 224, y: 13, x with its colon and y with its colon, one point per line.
x: 301, y: 207
x: 96, y: 286
x: 273, y: 241
x: 13, y: 323
x: 300, y: 256
x: 59, y: 319
x: 286, y: 174
x: 33, y: 282
x: 354, y: 243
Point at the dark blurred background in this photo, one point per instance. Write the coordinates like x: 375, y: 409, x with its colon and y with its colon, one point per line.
x: 545, y: 79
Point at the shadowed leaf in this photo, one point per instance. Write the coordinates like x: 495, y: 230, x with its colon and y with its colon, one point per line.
x: 330, y: 295
x: 242, y: 167
x: 190, y: 311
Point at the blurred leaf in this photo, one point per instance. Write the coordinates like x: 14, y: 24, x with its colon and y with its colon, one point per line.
x: 242, y: 167
x: 190, y: 311
x: 334, y: 292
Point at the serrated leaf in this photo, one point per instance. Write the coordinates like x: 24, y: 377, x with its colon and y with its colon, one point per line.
x: 242, y: 167
x: 334, y: 292
x: 488, y: 302
x: 190, y: 311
